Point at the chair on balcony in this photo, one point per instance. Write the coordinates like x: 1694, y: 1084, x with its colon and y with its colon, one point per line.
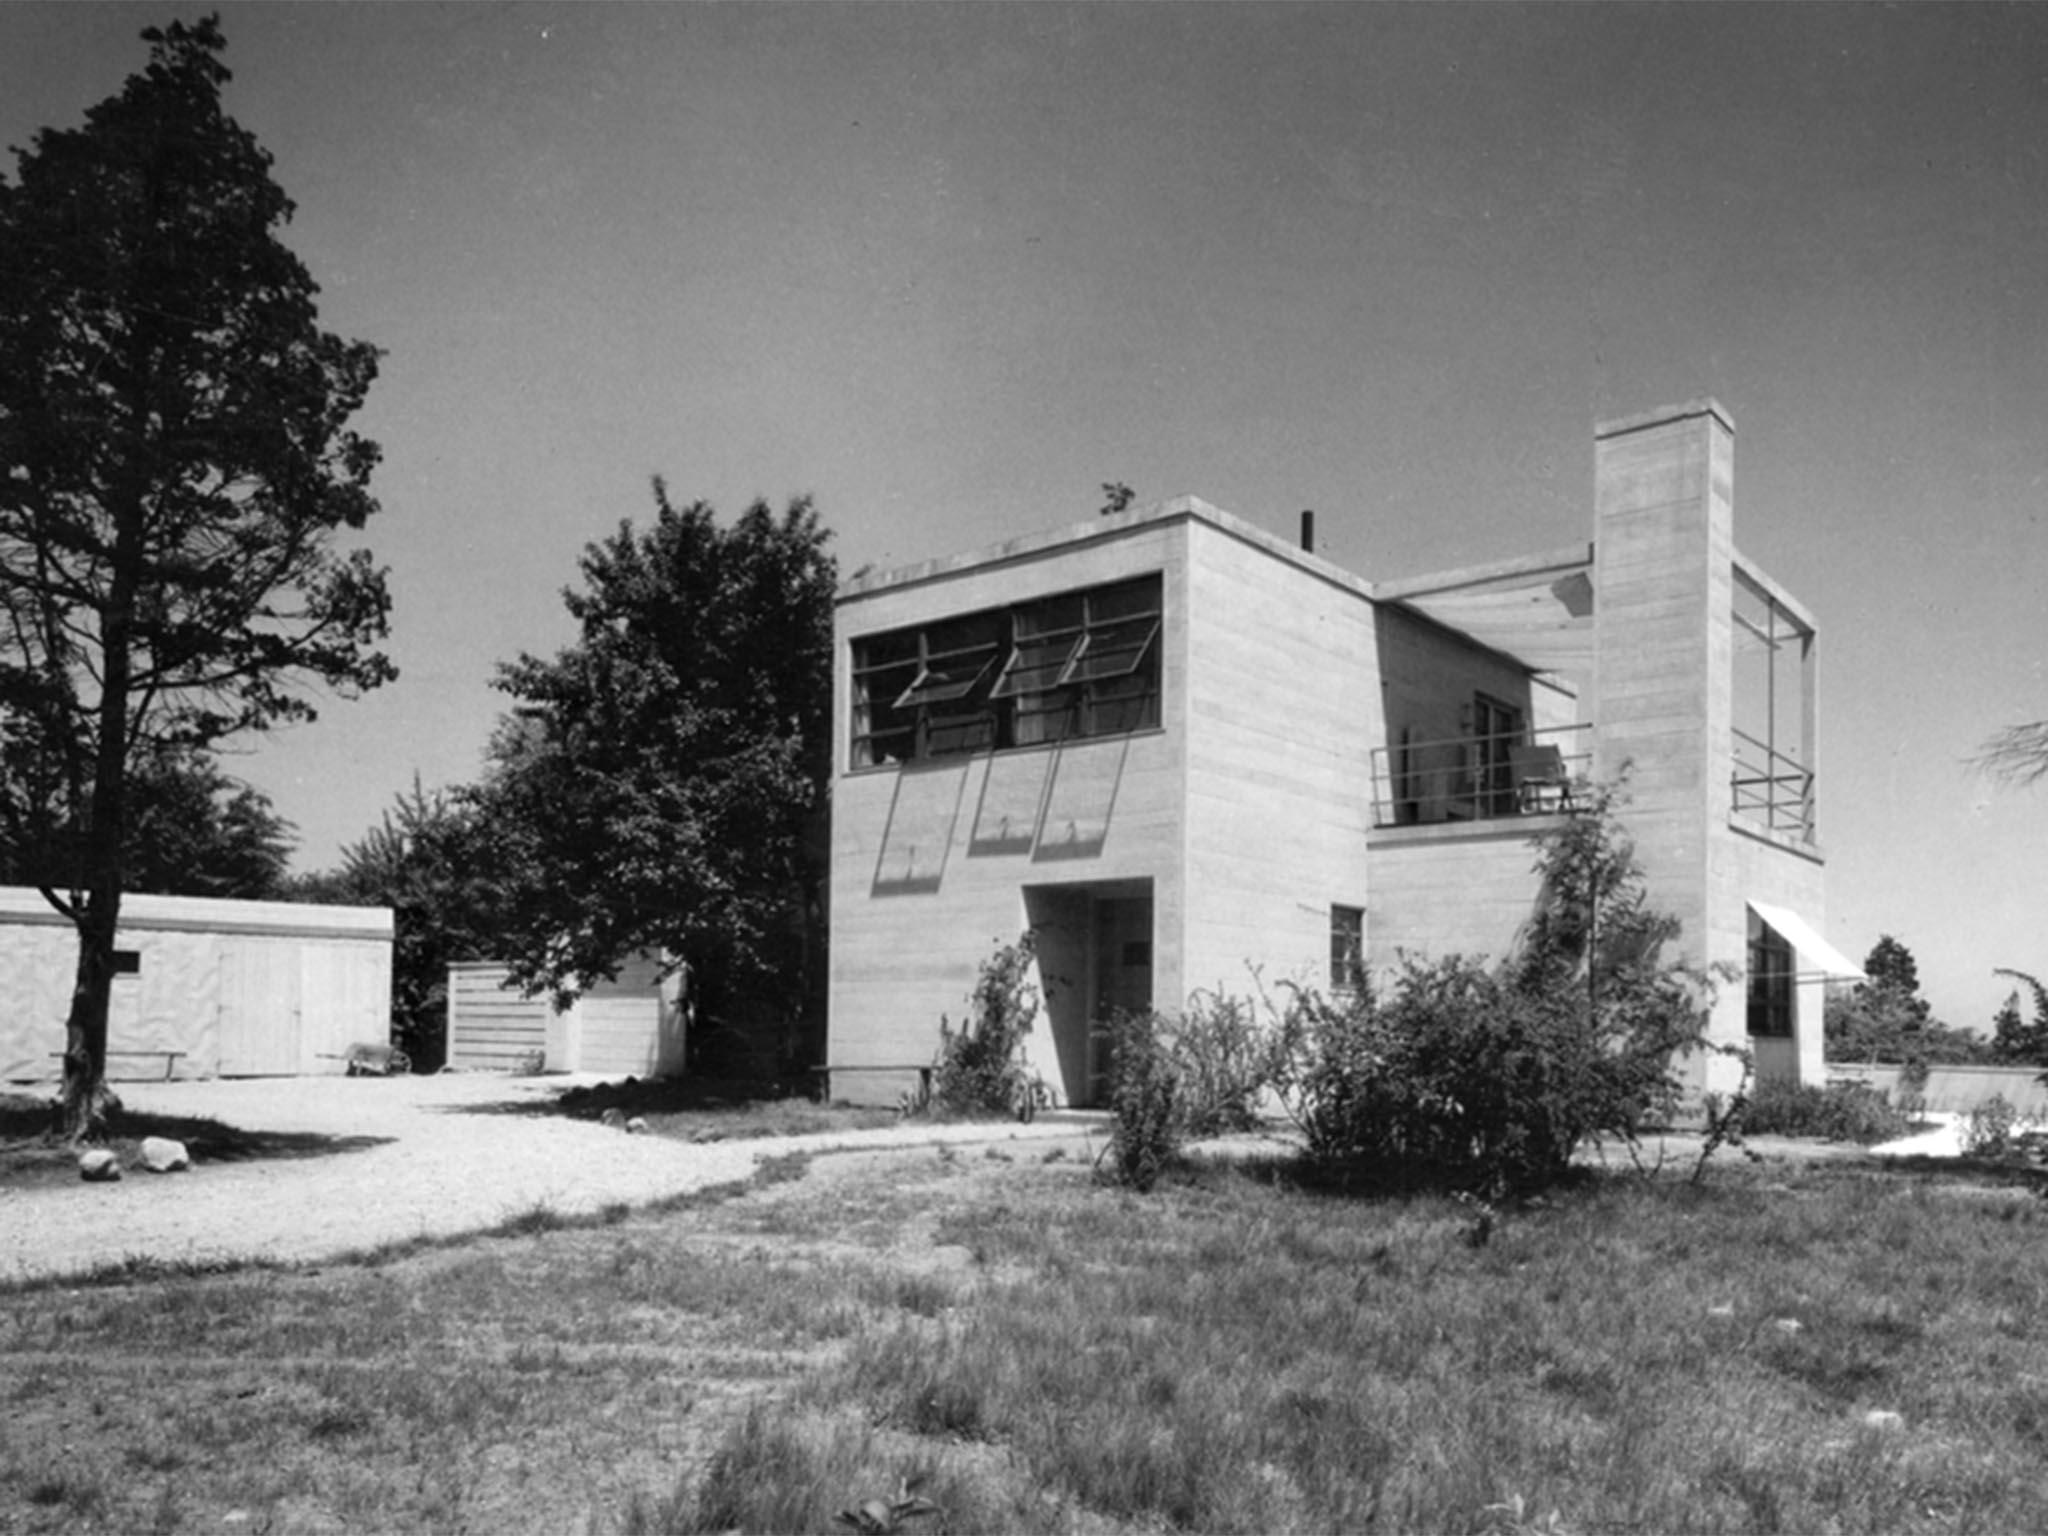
x: 1542, y: 782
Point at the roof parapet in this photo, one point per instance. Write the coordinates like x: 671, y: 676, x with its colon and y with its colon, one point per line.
x: 1662, y: 415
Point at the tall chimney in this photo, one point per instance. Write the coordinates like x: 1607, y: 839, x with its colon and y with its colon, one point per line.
x: 1308, y: 531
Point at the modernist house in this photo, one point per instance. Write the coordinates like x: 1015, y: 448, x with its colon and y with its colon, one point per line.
x: 1173, y: 745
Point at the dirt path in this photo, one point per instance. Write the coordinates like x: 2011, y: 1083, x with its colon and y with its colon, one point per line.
x: 428, y: 1156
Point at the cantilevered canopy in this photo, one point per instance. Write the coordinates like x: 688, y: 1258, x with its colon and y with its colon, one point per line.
x: 1817, y: 957
x: 1543, y: 618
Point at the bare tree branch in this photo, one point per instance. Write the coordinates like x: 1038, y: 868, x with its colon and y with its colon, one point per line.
x: 2017, y: 755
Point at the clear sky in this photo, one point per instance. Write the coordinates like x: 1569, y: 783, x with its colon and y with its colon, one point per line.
x: 950, y: 267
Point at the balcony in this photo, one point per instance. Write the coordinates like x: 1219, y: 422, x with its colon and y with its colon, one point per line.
x: 1478, y: 778
x: 1771, y: 789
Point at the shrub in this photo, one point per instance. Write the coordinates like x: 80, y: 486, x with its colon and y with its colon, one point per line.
x: 1333, y: 1077
x: 980, y: 1068
x: 1223, y: 1062
x: 1148, y: 1118
x: 1989, y: 1130
x: 1488, y: 1079
x: 1839, y: 1112
x: 1176, y: 1079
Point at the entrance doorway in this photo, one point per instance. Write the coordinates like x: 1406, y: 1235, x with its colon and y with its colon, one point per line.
x: 1095, y: 957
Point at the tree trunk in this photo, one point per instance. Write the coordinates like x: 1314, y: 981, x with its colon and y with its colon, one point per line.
x: 87, y: 1101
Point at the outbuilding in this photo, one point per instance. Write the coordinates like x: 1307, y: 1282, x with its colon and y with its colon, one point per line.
x: 202, y: 987
x: 630, y: 1026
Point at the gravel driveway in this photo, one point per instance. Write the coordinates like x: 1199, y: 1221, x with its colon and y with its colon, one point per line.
x: 442, y: 1155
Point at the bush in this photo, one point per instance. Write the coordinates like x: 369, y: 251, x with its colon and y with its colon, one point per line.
x: 1989, y: 1130
x: 1332, y: 1074
x: 1488, y: 1079
x: 1838, y: 1112
x: 1222, y: 1059
x: 1177, y: 1079
x: 1461, y: 1077
x: 1483, y: 1079
x: 980, y: 1068
x: 1148, y: 1116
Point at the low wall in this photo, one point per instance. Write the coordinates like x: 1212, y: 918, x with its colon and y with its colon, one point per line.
x: 1957, y: 1089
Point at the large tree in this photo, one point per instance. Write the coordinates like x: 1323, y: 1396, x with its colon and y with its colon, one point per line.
x: 174, y: 467
x: 659, y: 785
x: 192, y: 830
x: 195, y: 830
x: 1884, y: 1017
x: 2014, y: 1038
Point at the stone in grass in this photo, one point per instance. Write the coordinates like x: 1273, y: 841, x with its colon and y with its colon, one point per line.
x: 1788, y: 1325
x: 615, y: 1118
x: 1884, y: 1420
x: 636, y: 1126
x: 160, y: 1154
x: 99, y: 1166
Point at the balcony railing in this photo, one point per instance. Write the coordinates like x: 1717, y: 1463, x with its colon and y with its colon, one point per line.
x: 1771, y: 788
x: 1475, y: 778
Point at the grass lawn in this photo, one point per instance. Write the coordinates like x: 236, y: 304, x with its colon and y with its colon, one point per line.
x: 1047, y: 1354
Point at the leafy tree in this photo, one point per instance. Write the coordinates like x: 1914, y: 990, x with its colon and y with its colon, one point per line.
x: 192, y: 831
x: 2014, y: 1039
x: 174, y: 466
x: 427, y: 860
x: 660, y: 784
x: 1884, y: 1018
x: 1890, y: 970
x: 195, y: 831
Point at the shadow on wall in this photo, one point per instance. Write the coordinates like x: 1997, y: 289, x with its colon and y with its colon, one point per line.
x: 1053, y: 805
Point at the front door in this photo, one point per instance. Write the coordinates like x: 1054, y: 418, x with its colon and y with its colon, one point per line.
x: 1123, y: 978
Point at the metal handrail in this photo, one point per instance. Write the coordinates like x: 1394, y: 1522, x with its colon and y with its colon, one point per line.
x: 1479, y: 777
x: 1776, y: 793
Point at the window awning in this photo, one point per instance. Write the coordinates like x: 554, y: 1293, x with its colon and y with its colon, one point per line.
x: 1817, y: 957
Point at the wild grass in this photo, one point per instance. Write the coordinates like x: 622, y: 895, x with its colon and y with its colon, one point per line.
x: 1240, y: 1357
x: 1041, y: 1353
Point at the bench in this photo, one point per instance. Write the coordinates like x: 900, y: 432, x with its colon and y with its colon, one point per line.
x: 170, y: 1058
x: 923, y: 1069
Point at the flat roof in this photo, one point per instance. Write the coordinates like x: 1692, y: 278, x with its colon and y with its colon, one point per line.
x: 1097, y: 530
x: 24, y: 904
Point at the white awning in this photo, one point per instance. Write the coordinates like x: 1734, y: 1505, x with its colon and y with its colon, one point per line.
x: 1817, y: 957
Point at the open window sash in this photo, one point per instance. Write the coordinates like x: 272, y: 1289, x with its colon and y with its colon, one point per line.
x: 1111, y: 650
x: 944, y: 679
x: 1038, y: 664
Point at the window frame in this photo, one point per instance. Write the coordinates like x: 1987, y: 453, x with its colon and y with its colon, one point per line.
x: 1075, y: 665
x: 1497, y: 728
x: 1347, y: 949
x: 1772, y: 987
